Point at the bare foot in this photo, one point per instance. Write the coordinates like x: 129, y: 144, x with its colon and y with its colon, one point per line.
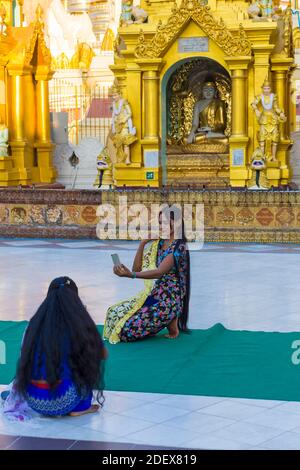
x: 92, y: 409
x: 173, y: 329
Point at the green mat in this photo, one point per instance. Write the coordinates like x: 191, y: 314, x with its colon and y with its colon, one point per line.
x: 217, y: 362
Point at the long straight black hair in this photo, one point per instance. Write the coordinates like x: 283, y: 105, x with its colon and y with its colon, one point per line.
x: 62, y: 330
x: 183, y: 318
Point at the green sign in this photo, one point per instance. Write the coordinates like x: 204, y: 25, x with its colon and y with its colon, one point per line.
x: 149, y: 175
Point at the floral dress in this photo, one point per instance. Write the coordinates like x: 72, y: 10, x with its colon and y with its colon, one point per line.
x: 165, y: 301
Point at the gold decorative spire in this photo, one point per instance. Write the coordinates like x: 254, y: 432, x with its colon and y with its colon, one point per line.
x: 108, y: 41
x: 267, y: 82
x: 3, y: 25
x: 39, y: 13
x: 2, y: 10
x: 21, y: 2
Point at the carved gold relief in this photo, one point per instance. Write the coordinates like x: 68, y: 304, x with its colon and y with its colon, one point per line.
x: 187, y: 149
x: 37, y: 214
x: 38, y: 36
x: 285, y: 216
x: 229, y: 216
x: 225, y: 216
x: 4, y: 214
x: 244, y: 216
x: 264, y: 216
x: 200, y: 13
x: 224, y: 89
x: 288, y: 32
x: 81, y: 59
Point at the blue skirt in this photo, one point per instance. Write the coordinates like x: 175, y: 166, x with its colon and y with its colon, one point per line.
x: 62, y: 401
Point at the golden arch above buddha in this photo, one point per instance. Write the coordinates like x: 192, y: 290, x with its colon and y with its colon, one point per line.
x: 209, y: 117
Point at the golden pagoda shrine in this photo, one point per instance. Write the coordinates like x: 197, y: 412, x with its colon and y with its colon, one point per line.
x: 208, y: 85
x: 25, y: 69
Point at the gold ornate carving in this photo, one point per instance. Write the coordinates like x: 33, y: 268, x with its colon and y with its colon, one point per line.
x: 209, y: 147
x: 199, y: 12
x: 3, y: 24
x: 118, y: 46
x: 285, y: 216
x: 224, y: 89
x: 244, y: 216
x: 38, y: 36
x: 264, y: 216
x: 284, y: 37
x: 181, y: 104
x: 81, y: 59
x: 225, y: 216
x: 188, y: 106
x: 197, y: 170
x: 288, y: 32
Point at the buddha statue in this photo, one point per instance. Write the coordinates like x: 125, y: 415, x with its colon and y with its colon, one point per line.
x: 209, y: 118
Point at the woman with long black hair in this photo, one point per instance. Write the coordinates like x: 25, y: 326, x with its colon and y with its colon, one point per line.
x: 62, y: 355
x: 164, y: 264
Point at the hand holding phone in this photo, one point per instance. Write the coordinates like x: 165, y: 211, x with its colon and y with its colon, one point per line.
x: 116, y: 259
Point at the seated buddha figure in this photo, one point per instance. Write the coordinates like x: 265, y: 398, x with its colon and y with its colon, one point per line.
x: 209, y: 118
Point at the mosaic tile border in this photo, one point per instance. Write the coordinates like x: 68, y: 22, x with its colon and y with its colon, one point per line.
x: 230, y: 216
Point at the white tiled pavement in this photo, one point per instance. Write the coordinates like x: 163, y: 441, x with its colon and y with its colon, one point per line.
x: 251, y: 287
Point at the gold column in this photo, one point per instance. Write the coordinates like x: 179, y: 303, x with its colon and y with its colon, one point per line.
x: 239, y: 100
x: 43, y: 114
x: 239, y: 173
x: 18, y: 138
x: 151, y: 105
x: 281, y: 68
x: 280, y: 78
x: 150, y: 98
x: 238, y: 67
x: 261, y: 65
x: 17, y: 131
x: 291, y: 98
x: 42, y: 77
x: 262, y: 48
x: 43, y: 144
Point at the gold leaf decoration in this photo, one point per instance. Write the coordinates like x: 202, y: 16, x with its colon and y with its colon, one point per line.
x: 200, y: 13
x: 38, y: 35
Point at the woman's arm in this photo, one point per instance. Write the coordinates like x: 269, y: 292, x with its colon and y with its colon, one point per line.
x: 138, y: 259
x: 165, y: 266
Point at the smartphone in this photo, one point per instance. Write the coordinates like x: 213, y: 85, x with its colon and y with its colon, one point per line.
x: 116, y: 259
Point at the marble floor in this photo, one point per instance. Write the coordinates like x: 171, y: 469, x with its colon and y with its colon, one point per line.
x: 243, y: 286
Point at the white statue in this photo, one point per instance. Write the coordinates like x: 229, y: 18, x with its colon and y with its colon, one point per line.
x: 3, y: 140
x: 255, y: 10
x: 132, y: 13
x: 140, y: 15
